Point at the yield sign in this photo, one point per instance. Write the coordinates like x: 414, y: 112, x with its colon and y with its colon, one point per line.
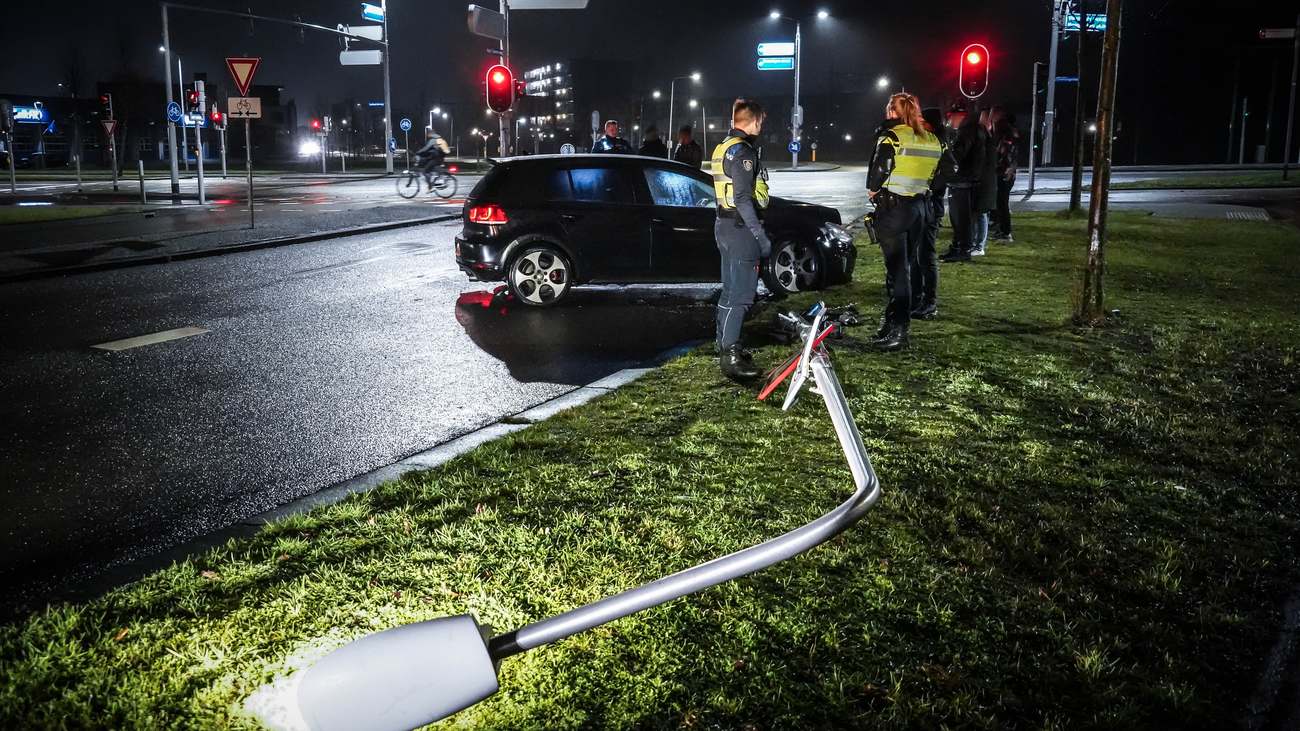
x: 110, y: 126
x: 242, y: 69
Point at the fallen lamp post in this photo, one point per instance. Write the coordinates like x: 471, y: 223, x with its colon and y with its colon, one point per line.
x: 412, y: 675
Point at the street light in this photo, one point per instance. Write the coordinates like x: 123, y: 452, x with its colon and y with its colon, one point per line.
x: 655, y: 94
x: 694, y: 104
x: 796, y: 113
x: 694, y: 76
x: 882, y: 82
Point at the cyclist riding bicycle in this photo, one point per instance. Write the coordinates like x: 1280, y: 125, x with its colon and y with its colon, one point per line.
x: 432, y: 155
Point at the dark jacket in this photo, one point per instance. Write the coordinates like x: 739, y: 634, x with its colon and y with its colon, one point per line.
x: 612, y: 145
x: 968, y: 149
x: 1008, y: 138
x: 882, y: 157
x: 742, y: 165
x: 947, y: 165
x: 986, y: 192
x: 690, y: 153
x: 653, y: 148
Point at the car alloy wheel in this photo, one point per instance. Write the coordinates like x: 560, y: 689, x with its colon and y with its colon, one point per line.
x: 539, y: 277
x: 795, y: 266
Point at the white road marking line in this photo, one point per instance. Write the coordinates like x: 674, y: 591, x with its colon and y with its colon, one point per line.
x: 151, y: 339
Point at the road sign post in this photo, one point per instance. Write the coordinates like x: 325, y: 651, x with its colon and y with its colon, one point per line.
x: 198, y: 137
x: 242, y: 70
x: 405, y: 124
x: 139, y: 168
x: 110, y: 128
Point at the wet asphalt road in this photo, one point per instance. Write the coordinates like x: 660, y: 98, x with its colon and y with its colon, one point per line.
x: 322, y: 361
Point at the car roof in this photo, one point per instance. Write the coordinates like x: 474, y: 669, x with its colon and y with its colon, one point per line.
x: 588, y: 157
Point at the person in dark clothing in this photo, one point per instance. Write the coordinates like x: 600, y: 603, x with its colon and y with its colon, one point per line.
x: 1008, y: 140
x: 986, y: 191
x: 688, y: 150
x: 740, y: 187
x: 925, y: 270
x: 899, y: 181
x: 968, y: 149
x: 652, y: 146
x: 432, y: 155
x: 611, y: 143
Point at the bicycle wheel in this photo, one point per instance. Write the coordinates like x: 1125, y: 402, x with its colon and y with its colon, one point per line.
x: 408, y: 185
x: 444, y: 186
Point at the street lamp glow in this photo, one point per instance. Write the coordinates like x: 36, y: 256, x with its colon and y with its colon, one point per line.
x: 823, y: 14
x: 882, y: 82
x: 1092, y: 127
x: 162, y: 49
x: 774, y: 15
x: 848, y: 137
x: 695, y: 77
x: 437, y: 110
x: 694, y: 104
x: 444, y: 115
x: 655, y: 94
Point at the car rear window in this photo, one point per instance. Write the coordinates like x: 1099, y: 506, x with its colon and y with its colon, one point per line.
x: 509, y: 183
x: 600, y: 185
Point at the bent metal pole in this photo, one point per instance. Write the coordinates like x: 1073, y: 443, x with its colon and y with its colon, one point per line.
x: 415, y: 674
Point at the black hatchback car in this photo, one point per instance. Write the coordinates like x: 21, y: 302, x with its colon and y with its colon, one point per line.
x: 547, y: 223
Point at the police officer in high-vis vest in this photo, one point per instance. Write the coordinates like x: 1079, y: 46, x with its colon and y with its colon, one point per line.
x: 898, y: 182
x: 740, y: 185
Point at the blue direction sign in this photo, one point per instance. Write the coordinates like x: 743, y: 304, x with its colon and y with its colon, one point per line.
x: 372, y: 12
x: 793, y: 146
x: 776, y: 63
x: 1096, y: 22
x: 405, y: 124
x: 173, y: 112
x: 776, y: 48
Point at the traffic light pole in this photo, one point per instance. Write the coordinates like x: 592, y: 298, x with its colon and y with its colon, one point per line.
x: 1049, y: 113
x: 1033, y: 125
x: 388, y: 101
x: 112, y: 141
x: 171, y: 128
x: 1290, y: 107
x: 503, y: 123
x: 185, y: 115
x: 223, y: 149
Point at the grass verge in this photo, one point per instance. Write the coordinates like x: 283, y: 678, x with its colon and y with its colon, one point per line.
x: 1084, y: 528
x: 1267, y: 179
x: 38, y: 214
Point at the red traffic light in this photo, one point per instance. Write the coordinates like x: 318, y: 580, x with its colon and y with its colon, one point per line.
x: 500, y: 83
x: 315, y: 124
x: 973, y: 76
x: 216, y: 116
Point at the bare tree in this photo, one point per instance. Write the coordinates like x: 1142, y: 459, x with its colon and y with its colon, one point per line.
x: 1090, y: 305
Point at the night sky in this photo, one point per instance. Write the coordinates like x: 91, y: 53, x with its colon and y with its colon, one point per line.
x: 1176, y: 69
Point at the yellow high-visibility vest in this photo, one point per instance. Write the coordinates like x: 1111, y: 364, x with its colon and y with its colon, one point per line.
x: 723, y: 187
x: 916, y: 157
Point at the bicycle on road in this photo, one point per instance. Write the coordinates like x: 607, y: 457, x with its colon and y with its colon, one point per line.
x: 440, y: 182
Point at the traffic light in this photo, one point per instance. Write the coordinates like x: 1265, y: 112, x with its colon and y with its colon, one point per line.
x: 973, y: 79
x: 202, y: 107
x: 218, y: 119
x: 316, y: 125
x: 191, y: 101
x: 500, y: 88
x: 106, y: 105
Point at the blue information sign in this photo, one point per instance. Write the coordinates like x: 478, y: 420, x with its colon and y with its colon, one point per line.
x: 776, y: 48
x: 173, y: 112
x: 372, y: 12
x: 1096, y: 22
x: 405, y: 124
x: 776, y: 63
x: 36, y: 114
x: 793, y: 146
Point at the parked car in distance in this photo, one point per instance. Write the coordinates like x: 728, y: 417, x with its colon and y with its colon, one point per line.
x: 547, y: 223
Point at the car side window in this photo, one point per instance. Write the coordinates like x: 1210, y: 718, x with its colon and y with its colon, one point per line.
x: 557, y: 186
x: 670, y: 188
x: 600, y: 185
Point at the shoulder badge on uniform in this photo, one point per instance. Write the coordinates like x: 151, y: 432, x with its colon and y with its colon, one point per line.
x: 748, y: 165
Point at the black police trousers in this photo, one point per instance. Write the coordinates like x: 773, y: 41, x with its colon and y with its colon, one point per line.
x: 925, y: 268
x: 963, y: 218
x: 740, y: 255
x: 900, y: 226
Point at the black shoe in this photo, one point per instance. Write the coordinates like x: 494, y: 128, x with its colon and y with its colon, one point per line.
x: 736, y: 365
x: 925, y: 312
x: 895, y: 339
x: 884, y: 327
x: 953, y: 256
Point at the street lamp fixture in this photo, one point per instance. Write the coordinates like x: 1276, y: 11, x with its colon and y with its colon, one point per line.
x: 823, y: 14
x: 774, y: 15
x: 694, y: 104
x: 796, y: 112
x: 848, y: 137
x: 694, y: 76
x: 882, y: 82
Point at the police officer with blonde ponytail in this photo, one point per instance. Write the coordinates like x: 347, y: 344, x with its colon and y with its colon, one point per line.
x: 898, y: 182
x: 740, y: 186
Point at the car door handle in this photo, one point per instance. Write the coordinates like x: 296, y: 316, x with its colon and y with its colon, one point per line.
x: 568, y: 217
x: 658, y: 222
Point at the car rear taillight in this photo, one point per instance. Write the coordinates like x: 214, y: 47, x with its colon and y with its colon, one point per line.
x: 487, y: 213
x: 453, y: 169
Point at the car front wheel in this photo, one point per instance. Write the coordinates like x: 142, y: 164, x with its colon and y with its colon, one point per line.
x: 539, y: 276
x: 794, y: 266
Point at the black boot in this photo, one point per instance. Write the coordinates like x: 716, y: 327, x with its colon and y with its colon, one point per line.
x: 895, y: 339
x: 736, y: 365
x: 926, y: 311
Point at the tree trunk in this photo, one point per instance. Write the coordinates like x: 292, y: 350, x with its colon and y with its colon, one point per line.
x: 1076, y: 174
x: 1090, y: 306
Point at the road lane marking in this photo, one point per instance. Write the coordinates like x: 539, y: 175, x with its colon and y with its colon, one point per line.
x: 151, y: 339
